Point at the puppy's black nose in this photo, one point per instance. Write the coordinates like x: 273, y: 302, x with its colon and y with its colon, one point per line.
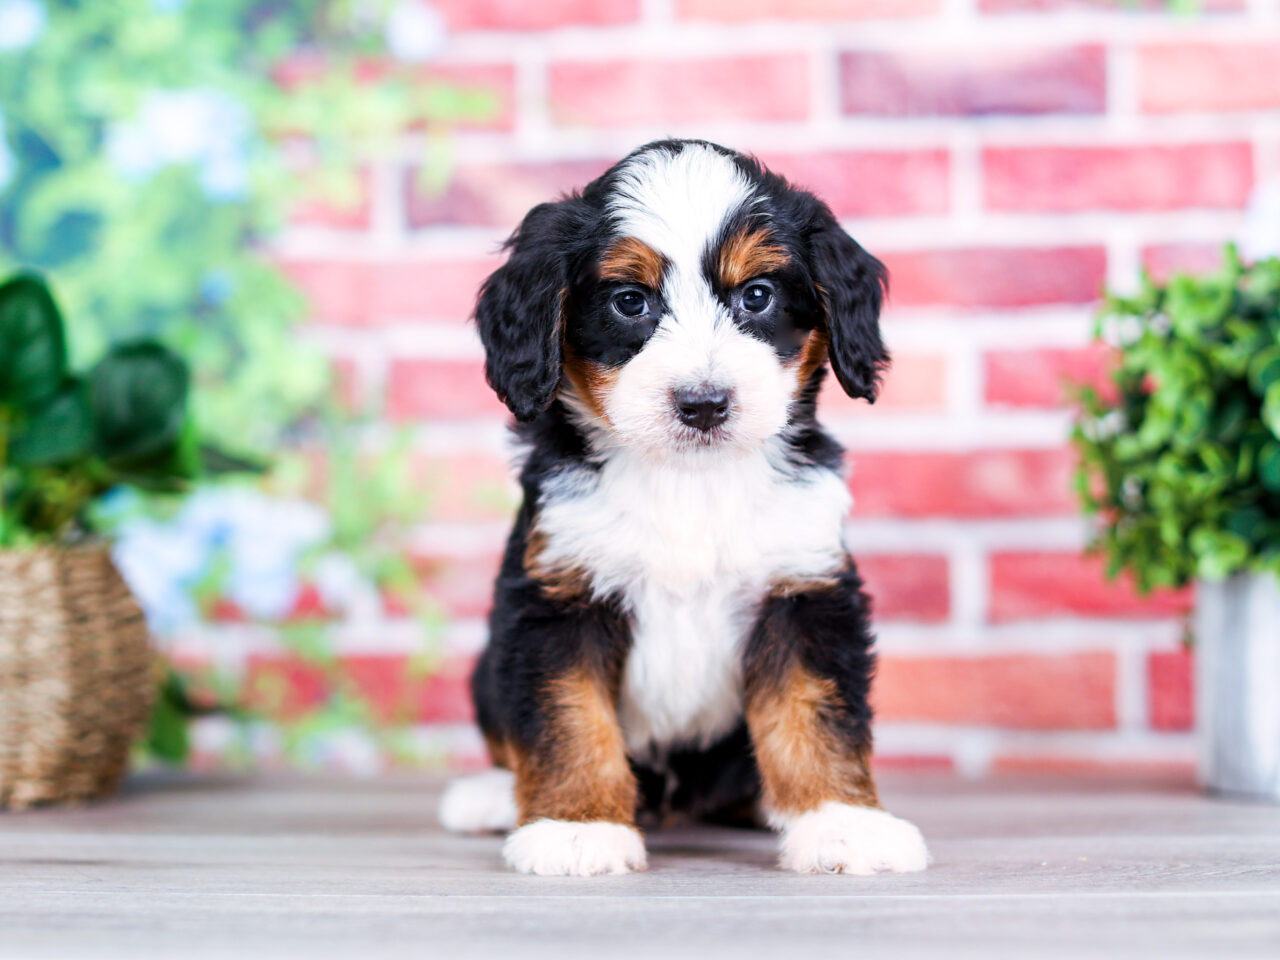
x: 703, y: 407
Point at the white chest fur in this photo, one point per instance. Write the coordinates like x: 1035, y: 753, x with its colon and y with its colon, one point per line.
x: 691, y: 547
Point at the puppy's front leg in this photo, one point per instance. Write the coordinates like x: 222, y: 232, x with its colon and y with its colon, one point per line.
x: 808, y: 668
x: 575, y: 792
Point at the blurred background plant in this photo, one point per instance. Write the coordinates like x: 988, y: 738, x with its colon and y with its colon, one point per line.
x: 148, y: 150
x: 1180, y: 454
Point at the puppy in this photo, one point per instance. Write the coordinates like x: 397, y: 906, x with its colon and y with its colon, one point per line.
x: 677, y: 626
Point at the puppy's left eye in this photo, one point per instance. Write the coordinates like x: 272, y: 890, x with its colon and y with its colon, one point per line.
x: 757, y: 297
x: 630, y: 303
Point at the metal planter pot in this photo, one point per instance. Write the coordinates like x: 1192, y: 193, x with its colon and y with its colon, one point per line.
x: 1238, y: 685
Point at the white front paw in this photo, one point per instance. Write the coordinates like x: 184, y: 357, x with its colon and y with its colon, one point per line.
x: 482, y: 803
x: 843, y: 838
x: 561, y: 848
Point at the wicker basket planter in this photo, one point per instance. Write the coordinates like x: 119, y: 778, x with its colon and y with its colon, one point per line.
x: 76, y: 675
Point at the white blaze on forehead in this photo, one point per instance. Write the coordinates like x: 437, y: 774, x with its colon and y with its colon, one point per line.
x: 678, y: 202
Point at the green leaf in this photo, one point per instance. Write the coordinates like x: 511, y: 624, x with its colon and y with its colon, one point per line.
x: 33, y: 349
x: 1218, y: 553
x: 215, y: 461
x: 1271, y: 409
x: 59, y: 432
x: 1269, y: 466
x: 139, y: 400
x: 1264, y: 370
x: 168, y: 739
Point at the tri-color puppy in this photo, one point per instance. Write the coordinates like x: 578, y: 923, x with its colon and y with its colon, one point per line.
x: 677, y: 625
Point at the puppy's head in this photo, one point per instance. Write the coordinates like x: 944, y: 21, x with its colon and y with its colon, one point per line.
x: 682, y: 301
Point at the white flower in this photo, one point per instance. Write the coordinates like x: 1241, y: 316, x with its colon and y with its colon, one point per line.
x: 414, y: 31
x: 265, y: 539
x: 159, y: 562
x: 202, y: 127
x: 21, y: 23
x: 1261, y: 237
x: 338, y: 581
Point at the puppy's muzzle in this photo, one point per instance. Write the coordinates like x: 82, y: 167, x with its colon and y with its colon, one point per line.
x: 703, y: 407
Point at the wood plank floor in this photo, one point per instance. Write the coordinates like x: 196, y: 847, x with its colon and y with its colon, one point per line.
x: 227, y: 868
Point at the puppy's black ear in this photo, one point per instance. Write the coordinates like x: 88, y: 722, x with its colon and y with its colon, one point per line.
x: 851, y: 286
x: 520, y: 312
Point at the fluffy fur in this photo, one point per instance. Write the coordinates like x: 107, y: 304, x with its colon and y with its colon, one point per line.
x: 677, y: 625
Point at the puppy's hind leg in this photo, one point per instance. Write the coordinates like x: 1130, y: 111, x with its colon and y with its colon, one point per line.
x: 481, y: 803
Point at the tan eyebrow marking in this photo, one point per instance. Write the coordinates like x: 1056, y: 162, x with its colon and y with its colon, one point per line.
x: 749, y: 253
x: 629, y: 260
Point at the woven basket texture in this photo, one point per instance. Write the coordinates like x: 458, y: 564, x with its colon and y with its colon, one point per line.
x: 76, y: 675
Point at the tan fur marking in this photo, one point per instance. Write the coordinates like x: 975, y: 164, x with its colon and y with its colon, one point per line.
x: 629, y: 260
x: 750, y: 253
x: 803, y: 762
x: 559, y: 582
x: 499, y: 752
x: 590, y: 381
x: 581, y: 773
x: 811, y: 357
x: 795, y: 586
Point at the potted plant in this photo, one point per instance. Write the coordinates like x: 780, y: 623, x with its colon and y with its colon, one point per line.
x: 1180, y: 460
x: 77, y: 676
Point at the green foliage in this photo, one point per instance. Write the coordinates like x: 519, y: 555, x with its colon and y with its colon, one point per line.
x: 66, y: 439
x: 168, y: 245
x: 1181, y: 461
x: 167, y: 248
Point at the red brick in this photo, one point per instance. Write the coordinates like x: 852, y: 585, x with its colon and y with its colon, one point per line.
x: 612, y: 93
x: 1212, y: 175
x: 440, y: 390
x: 462, y: 585
x: 1046, y: 378
x: 1171, y: 690
x: 884, y: 183
x: 1209, y: 77
x: 995, y: 276
x: 401, y: 691
x: 360, y: 293
x: 737, y: 11
x: 914, y: 762
x: 496, y: 195
x: 467, y: 487
x: 1165, y: 259
x: 909, y: 587
x: 1117, y: 6
x: 1033, y: 585
x: 285, y: 686
x: 539, y: 15
x: 1073, y: 691
x: 1128, y: 770
x: 915, y: 382
x: 949, y: 81
x: 983, y: 483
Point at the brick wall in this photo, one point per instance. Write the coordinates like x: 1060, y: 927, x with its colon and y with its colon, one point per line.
x: 1005, y: 157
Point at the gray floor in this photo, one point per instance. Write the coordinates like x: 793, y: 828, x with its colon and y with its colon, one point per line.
x: 228, y: 868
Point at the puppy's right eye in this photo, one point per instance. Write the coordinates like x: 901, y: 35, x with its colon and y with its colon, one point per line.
x: 630, y: 303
